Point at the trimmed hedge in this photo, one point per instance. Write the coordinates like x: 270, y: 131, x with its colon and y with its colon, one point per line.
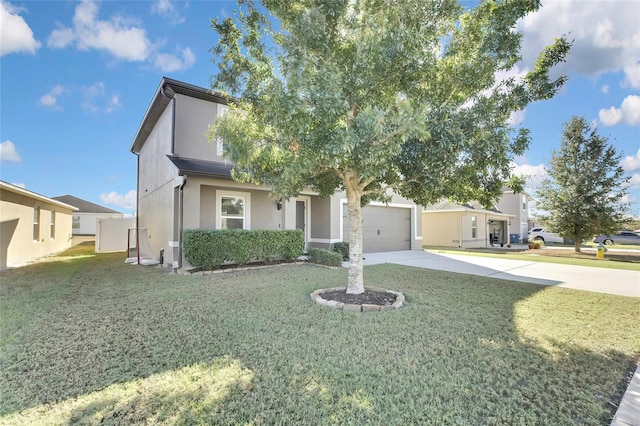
x: 324, y: 257
x: 209, y: 249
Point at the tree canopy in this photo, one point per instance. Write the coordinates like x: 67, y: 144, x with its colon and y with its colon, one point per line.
x: 368, y: 96
x: 583, y: 194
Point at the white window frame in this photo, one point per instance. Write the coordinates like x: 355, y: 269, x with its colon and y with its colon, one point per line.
x: 238, y: 194
x: 52, y: 228
x: 36, y: 223
x: 474, y: 227
x: 222, y: 110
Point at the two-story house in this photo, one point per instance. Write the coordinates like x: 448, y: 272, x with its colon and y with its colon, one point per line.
x: 184, y: 182
x: 516, y: 204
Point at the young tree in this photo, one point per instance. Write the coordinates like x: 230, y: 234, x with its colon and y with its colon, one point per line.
x: 369, y: 96
x: 583, y: 193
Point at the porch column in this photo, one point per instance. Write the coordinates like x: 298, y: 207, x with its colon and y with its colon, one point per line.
x: 289, y: 214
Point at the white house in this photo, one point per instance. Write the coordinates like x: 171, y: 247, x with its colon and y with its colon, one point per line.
x: 84, y: 220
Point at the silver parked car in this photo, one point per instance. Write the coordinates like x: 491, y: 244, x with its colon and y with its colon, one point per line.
x: 622, y: 237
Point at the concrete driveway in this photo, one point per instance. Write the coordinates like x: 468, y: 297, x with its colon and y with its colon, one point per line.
x: 602, y: 280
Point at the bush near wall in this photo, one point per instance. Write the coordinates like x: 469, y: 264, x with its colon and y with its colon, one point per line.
x: 209, y: 249
x: 342, y: 247
x: 324, y: 257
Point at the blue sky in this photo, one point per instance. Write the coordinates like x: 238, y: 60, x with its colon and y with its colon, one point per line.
x: 77, y: 78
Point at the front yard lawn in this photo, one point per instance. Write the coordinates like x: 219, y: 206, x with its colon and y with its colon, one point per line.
x: 92, y: 340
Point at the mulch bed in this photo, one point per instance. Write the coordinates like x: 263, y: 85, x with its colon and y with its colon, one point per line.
x: 369, y: 297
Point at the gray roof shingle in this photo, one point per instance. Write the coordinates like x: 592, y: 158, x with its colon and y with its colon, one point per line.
x: 83, y: 205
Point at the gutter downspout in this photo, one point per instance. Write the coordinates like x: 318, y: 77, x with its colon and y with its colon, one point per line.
x: 177, y: 264
x: 167, y: 91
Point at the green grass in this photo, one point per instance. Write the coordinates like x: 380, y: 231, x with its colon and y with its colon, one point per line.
x: 92, y: 340
x: 612, y: 260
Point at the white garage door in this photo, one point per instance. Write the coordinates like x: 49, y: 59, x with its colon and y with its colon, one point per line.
x: 383, y: 228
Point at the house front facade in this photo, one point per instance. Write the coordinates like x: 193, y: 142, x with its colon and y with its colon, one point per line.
x: 184, y: 182
x: 469, y: 225
x: 32, y: 226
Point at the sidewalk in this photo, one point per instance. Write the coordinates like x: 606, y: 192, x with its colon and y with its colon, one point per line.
x: 601, y: 280
x: 628, y: 413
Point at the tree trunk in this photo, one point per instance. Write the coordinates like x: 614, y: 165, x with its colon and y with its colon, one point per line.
x: 576, y: 245
x: 355, y: 282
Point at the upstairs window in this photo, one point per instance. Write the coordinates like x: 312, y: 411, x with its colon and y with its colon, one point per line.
x: 222, y: 110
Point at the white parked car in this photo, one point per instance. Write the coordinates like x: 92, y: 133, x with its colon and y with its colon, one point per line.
x: 543, y: 235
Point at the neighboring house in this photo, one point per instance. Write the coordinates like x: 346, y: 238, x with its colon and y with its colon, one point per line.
x: 516, y: 204
x: 84, y: 220
x: 31, y: 225
x: 469, y: 226
x: 184, y: 182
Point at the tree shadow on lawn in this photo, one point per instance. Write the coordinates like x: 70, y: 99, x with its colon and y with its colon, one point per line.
x: 123, y: 343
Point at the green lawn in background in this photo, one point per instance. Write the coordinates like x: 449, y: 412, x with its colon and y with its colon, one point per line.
x: 92, y: 340
x: 612, y: 260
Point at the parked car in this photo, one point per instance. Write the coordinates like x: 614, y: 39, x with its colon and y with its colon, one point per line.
x: 543, y: 235
x: 622, y: 237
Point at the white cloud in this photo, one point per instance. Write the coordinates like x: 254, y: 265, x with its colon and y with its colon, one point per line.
x: 606, y: 34
x: 628, y: 113
x: 118, y: 35
x: 516, y: 118
x: 605, y: 89
x: 167, y: 9
x: 15, y: 33
x: 634, y: 182
x: 632, y: 76
x: 162, y: 7
x: 631, y: 163
x: 8, y: 152
x: 534, y: 174
x: 171, y: 63
x: 126, y: 201
x: 98, y: 100
x: 51, y: 98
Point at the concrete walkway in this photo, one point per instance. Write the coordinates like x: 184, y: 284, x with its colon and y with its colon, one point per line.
x: 601, y: 280
x: 628, y: 413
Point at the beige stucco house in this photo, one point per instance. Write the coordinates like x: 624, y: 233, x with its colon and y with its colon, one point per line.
x: 32, y: 226
x: 468, y: 226
x: 184, y: 182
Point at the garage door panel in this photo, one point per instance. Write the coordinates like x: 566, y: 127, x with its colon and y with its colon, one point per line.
x: 383, y: 228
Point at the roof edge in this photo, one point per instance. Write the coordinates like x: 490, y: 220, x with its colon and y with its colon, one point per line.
x: 6, y: 186
x: 165, y: 92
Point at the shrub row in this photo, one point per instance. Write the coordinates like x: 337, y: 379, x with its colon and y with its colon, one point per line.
x: 208, y: 249
x: 324, y: 257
